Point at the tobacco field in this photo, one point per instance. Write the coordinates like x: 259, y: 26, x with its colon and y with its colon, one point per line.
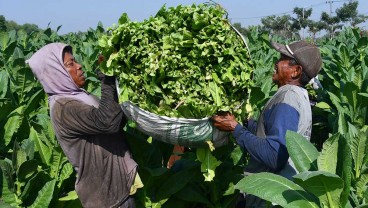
x: 188, y: 62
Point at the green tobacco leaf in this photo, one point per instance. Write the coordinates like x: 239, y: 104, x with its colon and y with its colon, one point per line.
x: 34, y: 101
x: 28, y: 147
x: 7, y: 171
x: 33, y: 185
x: 56, y: 161
x: 326, y: 186
x: 192, y: 194
x: 277, y: 189
x: 350, y: 95
x: 27, y: 169
x: 363, y: 94
x: 69, y: 196
x: 344, y: 168
x: 43, y: 150
x: 336, y: 101
x: 8, y: 193
x: 216, y: 93
x: 359, y: 149
x: 327, y: 160
x: 323, y: 105
x: 342, y: 125
x: 44, y: 195
x: 5, y: 205
x: 13, y: 123
x: 301, y: 151
x: 173, y: 185
x: 209, y: 163
x: 65, y: 172
x: 201, y: 66
x: 4, y: 40
x: 4, y: 80
x: 361, y: 185
x: 19, y: 156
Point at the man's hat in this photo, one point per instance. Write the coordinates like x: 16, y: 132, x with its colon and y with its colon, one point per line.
x: 306, y: 54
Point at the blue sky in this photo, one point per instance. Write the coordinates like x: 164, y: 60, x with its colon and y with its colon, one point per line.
x: 79, y: 15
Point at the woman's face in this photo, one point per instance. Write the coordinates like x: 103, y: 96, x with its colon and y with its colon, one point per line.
x: 74, y: 69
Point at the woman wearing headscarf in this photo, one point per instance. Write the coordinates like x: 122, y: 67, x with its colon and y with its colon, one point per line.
x: 88, y: 129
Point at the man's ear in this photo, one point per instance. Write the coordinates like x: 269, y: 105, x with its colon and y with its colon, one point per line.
x: 297, y: 71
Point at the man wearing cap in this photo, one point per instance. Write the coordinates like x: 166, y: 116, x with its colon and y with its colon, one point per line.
x: 288, y: 109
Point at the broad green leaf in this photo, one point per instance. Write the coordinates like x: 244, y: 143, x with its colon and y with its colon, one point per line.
x: 65, y: 172
x: 5, y: 205
x: 18, y: 53
x: 344, y: 57
x: 173, y: 185
x: 34, y: 101
x: 344, y: 168
x: 42, y: 149
x: 359, y: 149
x: 192, y: 194
x: 301, y: 151
x: 323, y: 105
x: 277, y: 189
x: 33, y: 185
x: 342, y: 125
x: 216, y: 93
x: 209, y: 163
x: 7, y: 173
x: 27, y: 169
x: 326, y: 186
x: 363, y: 94
x: 8, y: 193
x: 69, y: 196
x: 337, y: 102
x: 56, y: 161
x: 4, y: 40
x: 236, y: 155
x: 19, y: 156
x: 350, y: 93
x: 4, y: 80
x: 28, y: 147
x: 157, y: 171
x: 44, y: 195
x: 327, y: 160
x: 13, y: 123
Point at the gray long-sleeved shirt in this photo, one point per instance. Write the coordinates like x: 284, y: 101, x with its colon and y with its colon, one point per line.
x: 94, y: 143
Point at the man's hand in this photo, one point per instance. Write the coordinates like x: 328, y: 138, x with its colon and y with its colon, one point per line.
x: 224, y: 121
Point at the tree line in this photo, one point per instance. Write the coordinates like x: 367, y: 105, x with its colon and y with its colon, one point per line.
x: 8, y: 25
x: 294, y: 27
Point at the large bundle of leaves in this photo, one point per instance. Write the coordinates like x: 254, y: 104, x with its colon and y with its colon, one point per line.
x: 186, y: 61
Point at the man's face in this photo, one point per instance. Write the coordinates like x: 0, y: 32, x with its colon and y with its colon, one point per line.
x: 283, y: 71
x: 74, y: 69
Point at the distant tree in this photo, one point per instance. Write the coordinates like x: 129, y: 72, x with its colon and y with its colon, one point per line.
x: 349, y: 13
x: 11, y: 25
x: 301, y: 21
x: 6, y: 25
x: 241, y: 29
x: 280, y: 25
x: 28, y: 28
x: 302, y: 17
x: 330, y: 23
x: 2, y: 23
x: 315, y: 27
